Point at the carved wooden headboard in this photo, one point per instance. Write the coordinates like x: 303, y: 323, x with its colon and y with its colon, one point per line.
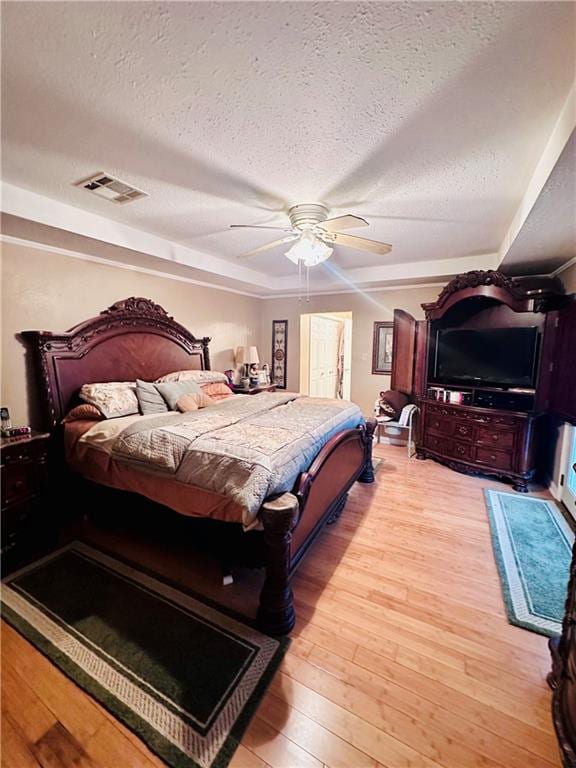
x: 134, y: 338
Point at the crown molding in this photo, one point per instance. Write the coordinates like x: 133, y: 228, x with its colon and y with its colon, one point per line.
x: 564, y: 267
x: 121, y: 265
x: 335, y: 292
x: 30, y: 206
x: 53, y: 213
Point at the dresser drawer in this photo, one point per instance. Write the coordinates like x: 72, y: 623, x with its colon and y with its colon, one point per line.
x: 438, y: 424
x: 496, y: 459
x: 449, y: 448
x: 464, y: 430
x: 437, y: 443
x: 464, y: 451
x: 499, y: 438
x: 19, y: 482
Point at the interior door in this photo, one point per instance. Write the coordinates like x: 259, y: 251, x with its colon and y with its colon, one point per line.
x: 324, y: 350
x: 403, y: 347
x: 569, y: 475
x: 563, y: 399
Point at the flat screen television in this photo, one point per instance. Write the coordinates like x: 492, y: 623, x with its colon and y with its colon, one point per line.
x: 495, y: 357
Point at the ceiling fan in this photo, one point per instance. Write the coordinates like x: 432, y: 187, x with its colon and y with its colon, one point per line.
x: 313, y: 235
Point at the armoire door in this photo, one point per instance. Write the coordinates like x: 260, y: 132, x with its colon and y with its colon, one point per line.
x: 563, y: 396
x: 409, y: 354
x: 403, y: 348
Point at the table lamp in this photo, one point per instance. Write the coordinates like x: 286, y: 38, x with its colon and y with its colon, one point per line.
x: 246, y: 356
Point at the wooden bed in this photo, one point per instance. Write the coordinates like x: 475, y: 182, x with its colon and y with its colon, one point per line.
x: 135, y: 338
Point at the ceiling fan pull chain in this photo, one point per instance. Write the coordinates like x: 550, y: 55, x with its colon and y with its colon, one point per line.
x: 308, y: 284
x: 299, y: 280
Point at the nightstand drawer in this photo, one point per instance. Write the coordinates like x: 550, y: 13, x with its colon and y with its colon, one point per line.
x: 19, y: 453
x: 19, y: 482
x: 15, y: 518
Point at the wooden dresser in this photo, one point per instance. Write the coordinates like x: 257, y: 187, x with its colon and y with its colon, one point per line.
x: 476, y: 425
x: 25, y: 520
x: 478, y: 440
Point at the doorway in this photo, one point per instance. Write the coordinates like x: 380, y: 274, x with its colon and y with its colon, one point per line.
x: 568, y: 476
x: 326, y: 354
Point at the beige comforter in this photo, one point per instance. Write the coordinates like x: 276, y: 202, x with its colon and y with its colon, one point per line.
x: 244, y: 448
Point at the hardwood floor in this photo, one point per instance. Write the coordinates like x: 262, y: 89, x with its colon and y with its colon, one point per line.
x: 402, y: 655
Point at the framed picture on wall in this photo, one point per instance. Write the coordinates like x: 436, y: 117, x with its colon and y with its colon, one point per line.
x: 279, y: 352
x: 382, y: 347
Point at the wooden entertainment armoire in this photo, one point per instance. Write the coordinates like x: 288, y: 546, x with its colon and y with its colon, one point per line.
x: 495, y: 433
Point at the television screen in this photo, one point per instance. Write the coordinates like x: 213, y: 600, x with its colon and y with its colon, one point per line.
x: 498, y: 357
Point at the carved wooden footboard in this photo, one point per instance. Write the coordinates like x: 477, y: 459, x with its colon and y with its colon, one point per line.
x: 292, y: 521
x: 136, y: 338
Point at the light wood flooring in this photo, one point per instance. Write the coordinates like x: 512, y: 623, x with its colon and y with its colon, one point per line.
x: 401, y: 657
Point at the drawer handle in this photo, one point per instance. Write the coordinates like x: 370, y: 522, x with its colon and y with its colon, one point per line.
x: 461, y: 449
x: 19, y: 484
x: 436, y: 423
x: 493, y: 457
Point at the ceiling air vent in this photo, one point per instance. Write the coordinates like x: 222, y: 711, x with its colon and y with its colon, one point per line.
x: 106, y: 186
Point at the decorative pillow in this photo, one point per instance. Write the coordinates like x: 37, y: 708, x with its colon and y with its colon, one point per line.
x: 200, y: 377
x: 217, y: 390
x: 113, y: 398
x: 193, y: 401
x: 391, y: 404
x: 83, y: 412
x: 172, y: 391
x: 149, y: 399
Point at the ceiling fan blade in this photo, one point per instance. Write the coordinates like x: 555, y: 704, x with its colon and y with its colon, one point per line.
x: 266, y: 247
x: 360, y: 243
x: 258, y: 226
x: 343, y: 222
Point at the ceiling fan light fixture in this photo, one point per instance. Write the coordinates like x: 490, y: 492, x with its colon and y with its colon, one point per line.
x: 309, y: 250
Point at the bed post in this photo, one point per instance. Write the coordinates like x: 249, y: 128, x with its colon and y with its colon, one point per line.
x: 276, y: 610
x: 367, y: 475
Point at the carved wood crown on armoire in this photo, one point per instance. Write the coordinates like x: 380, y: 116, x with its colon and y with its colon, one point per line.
x: 477, y: 424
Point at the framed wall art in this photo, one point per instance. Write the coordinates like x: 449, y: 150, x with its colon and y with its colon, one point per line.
x: 279, y: 352
x: 382, y: 347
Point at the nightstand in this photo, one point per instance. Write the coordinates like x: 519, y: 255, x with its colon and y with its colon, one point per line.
x: 23, y: 465
x: 254, y: 390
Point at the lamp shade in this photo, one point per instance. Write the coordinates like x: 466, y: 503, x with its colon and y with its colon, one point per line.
x: 251, y: 355
x: 247, y: 355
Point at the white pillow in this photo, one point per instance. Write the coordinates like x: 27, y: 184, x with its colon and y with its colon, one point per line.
x: 112, y: 398
x: 200, y: 377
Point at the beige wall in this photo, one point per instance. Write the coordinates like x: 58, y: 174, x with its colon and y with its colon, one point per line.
x: 366, y: 309
x: 48, y: 291
x: 568, y: 278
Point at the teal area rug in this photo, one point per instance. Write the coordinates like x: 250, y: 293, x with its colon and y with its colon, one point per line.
x: 533, y: 548
x: 183, y: 676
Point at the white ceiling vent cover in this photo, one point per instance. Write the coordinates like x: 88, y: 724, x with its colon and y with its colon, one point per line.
x: 106, y: 186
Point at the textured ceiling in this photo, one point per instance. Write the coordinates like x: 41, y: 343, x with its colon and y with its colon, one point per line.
x: 427, y: 119
x: 548, y: 238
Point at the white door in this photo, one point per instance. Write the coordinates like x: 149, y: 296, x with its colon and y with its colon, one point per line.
x: 324, y: 351
x: 569, y: 475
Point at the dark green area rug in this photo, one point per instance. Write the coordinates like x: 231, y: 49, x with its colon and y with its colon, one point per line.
x: 533, y: 548
x: 182, y: 675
